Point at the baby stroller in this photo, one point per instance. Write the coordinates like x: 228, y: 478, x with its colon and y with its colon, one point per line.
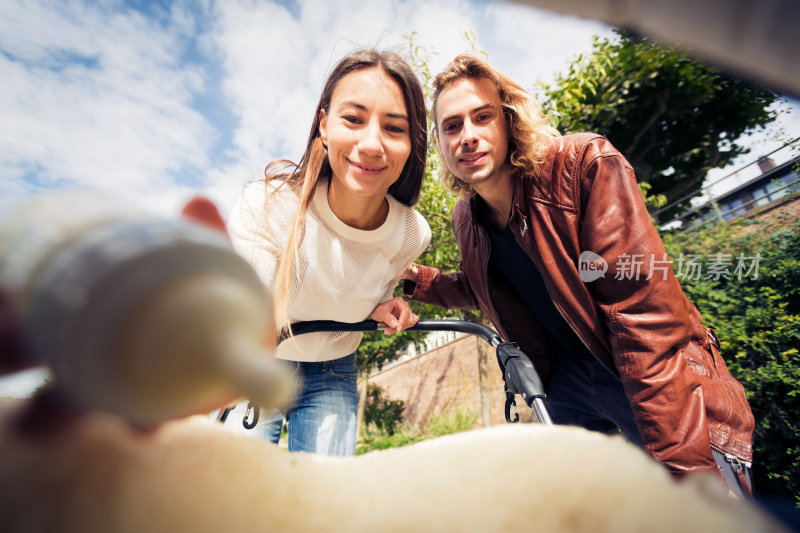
x: 519, y: 375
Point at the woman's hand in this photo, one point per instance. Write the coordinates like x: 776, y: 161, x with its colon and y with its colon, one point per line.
x: 396, y: 314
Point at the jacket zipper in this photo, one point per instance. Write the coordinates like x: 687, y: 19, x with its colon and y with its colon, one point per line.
x: 736, y: 462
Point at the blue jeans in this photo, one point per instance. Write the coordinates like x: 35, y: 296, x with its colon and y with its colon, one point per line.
x: 322, y: 417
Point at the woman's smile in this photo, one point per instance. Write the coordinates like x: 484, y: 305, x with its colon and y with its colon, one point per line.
x: 370, y: 170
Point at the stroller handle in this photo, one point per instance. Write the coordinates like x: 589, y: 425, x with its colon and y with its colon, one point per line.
x: 461, y: 326
x: 519, y: 374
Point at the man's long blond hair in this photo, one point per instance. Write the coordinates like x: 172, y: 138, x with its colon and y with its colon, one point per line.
x: 529, y: 130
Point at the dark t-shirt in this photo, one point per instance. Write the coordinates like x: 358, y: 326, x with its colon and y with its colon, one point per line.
x: 509, y: 260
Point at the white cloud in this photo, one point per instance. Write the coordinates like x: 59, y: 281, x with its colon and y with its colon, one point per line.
x: 97, y: 98
x: 533, y: 45
x: 96, y: 94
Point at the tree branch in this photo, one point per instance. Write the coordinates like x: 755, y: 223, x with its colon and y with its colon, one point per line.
x: 660, y: 109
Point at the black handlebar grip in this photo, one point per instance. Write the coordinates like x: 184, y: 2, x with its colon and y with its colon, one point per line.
x: 519, y: 373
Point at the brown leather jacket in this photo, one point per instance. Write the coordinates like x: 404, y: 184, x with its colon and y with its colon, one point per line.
x: 638, y: 324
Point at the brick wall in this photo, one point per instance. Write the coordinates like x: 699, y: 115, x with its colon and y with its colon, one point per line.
x: 789, y: 209
x: 446, y: 380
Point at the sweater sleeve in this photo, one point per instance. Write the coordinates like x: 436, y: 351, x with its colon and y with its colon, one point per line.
x: 251, y: 235
x: 646, y: 312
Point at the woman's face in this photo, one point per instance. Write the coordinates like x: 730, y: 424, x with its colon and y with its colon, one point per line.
x: 366, y: 130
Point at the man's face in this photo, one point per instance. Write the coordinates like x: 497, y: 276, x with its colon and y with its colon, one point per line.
x: 473, y: 133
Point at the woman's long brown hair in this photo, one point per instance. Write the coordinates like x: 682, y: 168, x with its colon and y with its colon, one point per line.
x: 304, y: 176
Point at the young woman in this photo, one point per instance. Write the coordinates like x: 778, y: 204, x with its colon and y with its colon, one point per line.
x: 331, y: 235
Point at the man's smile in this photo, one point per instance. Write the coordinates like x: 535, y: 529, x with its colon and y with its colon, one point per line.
x: 472, y: 159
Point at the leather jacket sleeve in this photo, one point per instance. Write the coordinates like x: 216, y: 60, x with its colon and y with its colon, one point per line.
x: 451, y: 291
x: 646, y: 313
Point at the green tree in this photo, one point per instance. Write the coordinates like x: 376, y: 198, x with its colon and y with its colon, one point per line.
x: 673, y: 117
x: 375, y: 350
x: 436, y: 205
x: 436, y: 202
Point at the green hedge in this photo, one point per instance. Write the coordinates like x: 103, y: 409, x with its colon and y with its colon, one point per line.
x: 757, y: 317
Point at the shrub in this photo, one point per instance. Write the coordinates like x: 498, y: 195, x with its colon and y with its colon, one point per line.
x: 375, y: 438
x: 757, y: 318
x: 445, y: 424
x: 382, y: 412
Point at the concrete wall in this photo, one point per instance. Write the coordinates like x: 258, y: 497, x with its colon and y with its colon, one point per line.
x: 446, y: 380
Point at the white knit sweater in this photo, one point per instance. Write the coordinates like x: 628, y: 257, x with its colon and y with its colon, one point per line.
x: 340, y: 273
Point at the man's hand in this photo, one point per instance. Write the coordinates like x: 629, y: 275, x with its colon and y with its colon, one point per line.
x: 396, y: 314
x: 411, y: 273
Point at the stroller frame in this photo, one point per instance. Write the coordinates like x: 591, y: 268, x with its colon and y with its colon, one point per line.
x: 519, y: 374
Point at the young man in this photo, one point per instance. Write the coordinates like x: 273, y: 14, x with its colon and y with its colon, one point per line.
x: 557, y: 248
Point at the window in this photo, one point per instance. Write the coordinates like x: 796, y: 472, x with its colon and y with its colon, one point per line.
x: 729, y: 209
x: 776, y: 189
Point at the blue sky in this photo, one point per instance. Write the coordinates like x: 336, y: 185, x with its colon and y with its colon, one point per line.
x: 157, y: 101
